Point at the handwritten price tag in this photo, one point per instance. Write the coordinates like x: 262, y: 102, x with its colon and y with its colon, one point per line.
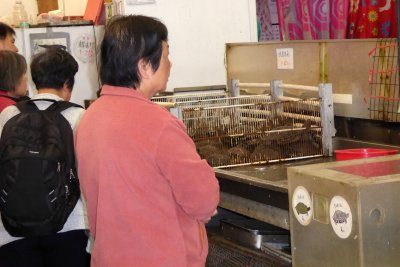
x: 284, y: 57
x: 85, y: 47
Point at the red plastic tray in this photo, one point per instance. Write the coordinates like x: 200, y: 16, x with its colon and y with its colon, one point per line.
x: 360, y: 153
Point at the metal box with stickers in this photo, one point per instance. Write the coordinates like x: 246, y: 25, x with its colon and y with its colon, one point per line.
x: 345, y: 213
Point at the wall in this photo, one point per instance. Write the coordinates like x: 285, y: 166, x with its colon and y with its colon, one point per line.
x: 72, y: 7
x: 198, y: 31
x: 6, y: 8
x: 79, y: 41
x: 75, y: 7
x: 344, y: 63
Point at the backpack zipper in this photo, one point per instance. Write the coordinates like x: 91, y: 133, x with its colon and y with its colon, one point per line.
x: 5, y: 194
x: 71, y: 176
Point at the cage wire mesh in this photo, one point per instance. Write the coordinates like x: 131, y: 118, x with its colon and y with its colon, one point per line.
x: 209, y: 99
x: 256, y: 133
x: 250, y: 129
x: 182, y: 98
x: 384, y: 82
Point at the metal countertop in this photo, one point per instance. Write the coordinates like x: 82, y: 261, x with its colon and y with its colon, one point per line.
x: 261, y: 191
x: 274, y: 174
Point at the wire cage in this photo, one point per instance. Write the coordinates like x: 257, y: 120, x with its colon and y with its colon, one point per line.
x: 209, y: 99
x: 255, y: 133
x: 251, y: 129
x: 384, y: 81
x: 192, y: 97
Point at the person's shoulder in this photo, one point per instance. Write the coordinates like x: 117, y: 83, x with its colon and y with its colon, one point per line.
x: 8, y: 113
x: 74, y: 110
x: 69, y: 106
x: 73, y: 115
x: 168, y: 119
x: 76, y: 107
x: 5, y: 102
x: 11, y: 110
x: 78, y: 111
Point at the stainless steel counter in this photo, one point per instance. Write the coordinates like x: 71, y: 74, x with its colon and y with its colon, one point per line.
x: 260, y: 191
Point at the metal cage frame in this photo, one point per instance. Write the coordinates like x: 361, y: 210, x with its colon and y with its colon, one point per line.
x: 256, y: 129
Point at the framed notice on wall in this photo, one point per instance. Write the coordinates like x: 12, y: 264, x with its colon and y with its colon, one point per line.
x: 41, y: 41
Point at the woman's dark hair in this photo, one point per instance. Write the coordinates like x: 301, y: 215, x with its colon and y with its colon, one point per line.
x: 53, y: 68
x: 12, y: 68
x: 127, y: 40
x: 5, y: 30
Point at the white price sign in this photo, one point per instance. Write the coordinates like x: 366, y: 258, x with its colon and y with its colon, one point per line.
x: 284, y: 57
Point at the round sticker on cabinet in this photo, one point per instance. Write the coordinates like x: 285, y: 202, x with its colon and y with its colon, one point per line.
x: 340, y: 217
x: 301, y: 205
x: 84, y: 47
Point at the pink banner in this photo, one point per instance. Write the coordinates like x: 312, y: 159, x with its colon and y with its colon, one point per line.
x: 313, y: 19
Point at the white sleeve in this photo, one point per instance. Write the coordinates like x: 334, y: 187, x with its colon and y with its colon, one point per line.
x: 73, y: 116
x: 6, y: 115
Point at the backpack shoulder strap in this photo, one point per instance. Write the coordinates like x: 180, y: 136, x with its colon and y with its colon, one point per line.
x: 29, y: 105
x: 62, y: 105
x: 22, y: 98
x: 26, y: 106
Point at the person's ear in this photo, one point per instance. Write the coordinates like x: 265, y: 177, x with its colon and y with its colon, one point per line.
x: 145, y: 69
x: 66, y: 92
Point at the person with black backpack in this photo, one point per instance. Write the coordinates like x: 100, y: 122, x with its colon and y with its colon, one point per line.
x: 13, y: 80
x: 43, y: 219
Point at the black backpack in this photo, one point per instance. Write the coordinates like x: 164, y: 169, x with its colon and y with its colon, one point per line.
x: 39, y: 186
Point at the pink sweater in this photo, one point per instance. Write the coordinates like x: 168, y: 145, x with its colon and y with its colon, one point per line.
x: 147, y: 189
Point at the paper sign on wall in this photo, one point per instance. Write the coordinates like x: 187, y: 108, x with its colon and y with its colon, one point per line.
x: 284, y: 57
x: 84, y: 47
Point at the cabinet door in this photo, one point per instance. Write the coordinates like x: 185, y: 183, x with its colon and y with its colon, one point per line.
x: 45, y: 6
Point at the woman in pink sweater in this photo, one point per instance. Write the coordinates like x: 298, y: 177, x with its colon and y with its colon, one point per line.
x: 148, y: 192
